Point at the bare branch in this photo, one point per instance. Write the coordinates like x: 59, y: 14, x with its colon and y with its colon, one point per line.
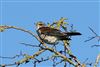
x: 44, y: 47
x: 89, y: 39
x: 62, y: 56
x: 59, y: 62
x: 97, y: 60
x: 21, y: 54
x: 93, y: 31
x: 24, y: 60
x: 21, y: 29
x: 31, y: 45
x: 95, y: 46
x: 96, y: 36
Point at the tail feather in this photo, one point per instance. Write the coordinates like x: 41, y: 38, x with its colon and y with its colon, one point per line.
x: 73, y: 33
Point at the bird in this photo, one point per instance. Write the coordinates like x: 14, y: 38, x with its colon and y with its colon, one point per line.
x: 51, y: 35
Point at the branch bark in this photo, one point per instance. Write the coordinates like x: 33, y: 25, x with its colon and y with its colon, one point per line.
x: 39, y: 52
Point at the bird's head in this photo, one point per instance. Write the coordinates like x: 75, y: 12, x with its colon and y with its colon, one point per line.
x: 40, y: 24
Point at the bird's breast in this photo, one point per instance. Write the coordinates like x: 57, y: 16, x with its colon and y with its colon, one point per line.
x: 49, y: 39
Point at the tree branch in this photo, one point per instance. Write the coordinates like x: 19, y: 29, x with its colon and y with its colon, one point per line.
x: 97, y: 60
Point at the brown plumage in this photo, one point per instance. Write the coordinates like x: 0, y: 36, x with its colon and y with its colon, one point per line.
x: 52, y: 35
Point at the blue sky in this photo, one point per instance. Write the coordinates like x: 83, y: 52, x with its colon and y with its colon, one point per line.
x: 25, y: 14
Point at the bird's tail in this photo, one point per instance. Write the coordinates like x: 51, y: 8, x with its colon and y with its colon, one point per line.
x: 72, y: 33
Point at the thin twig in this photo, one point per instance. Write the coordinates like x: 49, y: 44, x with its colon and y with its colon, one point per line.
x: 30, y: 45
x: 21, y: 54
x: 95, y: 46
x: 28, y: 57
x: 96, y: 36
x: 97, y: 60
x: 24, y: 60
x: 93, y: 31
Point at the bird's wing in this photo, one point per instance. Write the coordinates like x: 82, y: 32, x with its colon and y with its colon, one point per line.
x: 50, y: 31
x: 53, y: 32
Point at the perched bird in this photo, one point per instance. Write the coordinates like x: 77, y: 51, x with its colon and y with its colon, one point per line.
x: 51, y: 35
